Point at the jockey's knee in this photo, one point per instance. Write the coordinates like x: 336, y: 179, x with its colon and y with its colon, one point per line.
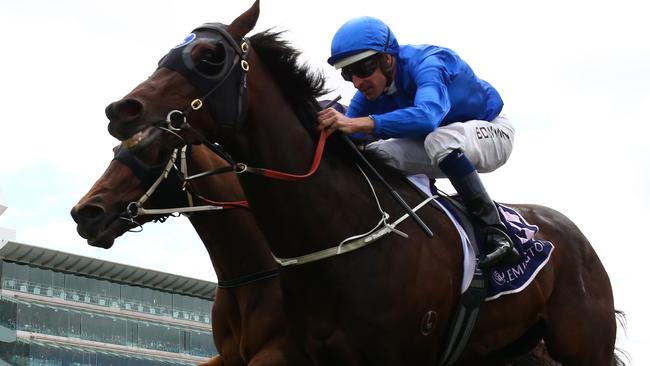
x: 441, y: 142
x: 487, y: 145
x: 406, y: 155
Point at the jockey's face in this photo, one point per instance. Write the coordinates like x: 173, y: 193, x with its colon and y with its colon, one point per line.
x: 373, y: 85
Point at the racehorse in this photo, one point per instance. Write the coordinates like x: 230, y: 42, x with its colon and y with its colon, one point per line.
x: 389, y: 301
x: 248, y: 323
x: 244, y: 334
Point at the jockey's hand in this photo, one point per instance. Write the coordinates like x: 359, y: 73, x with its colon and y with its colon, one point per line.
x: 331, y: 120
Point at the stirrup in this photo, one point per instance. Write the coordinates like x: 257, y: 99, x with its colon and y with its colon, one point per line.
x: 505, y: 252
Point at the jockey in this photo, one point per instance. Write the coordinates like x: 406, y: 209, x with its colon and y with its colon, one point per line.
x: 427, y: 112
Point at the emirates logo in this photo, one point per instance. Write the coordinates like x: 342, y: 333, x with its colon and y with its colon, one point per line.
x: 498, y: 277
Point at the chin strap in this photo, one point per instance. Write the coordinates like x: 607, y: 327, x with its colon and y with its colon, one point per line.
x: 387, y: 67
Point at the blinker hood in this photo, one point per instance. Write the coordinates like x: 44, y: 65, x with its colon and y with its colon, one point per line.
x: 223, y: 88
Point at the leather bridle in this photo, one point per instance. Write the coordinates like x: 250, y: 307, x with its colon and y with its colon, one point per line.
x: 163, y: 184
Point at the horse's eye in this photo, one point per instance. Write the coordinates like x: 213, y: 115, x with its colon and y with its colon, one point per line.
x: 211, y: 61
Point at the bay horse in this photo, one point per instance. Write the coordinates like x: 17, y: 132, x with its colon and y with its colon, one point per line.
x: 367, y: 306
x: 248, y: 322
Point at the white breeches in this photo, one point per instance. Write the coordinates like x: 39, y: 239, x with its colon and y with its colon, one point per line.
x: 486, y: 144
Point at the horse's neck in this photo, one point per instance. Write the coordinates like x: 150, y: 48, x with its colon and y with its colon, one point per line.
x: 232, y: 238
x: 298, y: 217
x: 235, y: 249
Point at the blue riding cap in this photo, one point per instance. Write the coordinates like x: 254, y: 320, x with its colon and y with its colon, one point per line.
x: 359, y: 38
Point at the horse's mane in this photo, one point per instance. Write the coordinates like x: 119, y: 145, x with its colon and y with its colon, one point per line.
x: 299, y: 84
x: 302, y: 86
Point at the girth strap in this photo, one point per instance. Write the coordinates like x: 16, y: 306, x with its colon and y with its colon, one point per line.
x: 465, y: 317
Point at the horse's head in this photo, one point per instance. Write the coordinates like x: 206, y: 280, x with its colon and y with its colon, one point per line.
x: 201, y: 80
x: 104, y: 213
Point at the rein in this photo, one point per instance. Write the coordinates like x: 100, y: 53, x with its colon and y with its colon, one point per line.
x: 239, y: 168
x: 318, y: 155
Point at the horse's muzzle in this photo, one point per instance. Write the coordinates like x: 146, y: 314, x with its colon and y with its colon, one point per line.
x: 90, y: 225
x: 125, y: 118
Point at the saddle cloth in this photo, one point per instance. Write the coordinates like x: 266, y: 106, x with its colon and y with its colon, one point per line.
x: 502, y: 279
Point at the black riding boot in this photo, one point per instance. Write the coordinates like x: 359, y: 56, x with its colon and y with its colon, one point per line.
x: 468, y: 185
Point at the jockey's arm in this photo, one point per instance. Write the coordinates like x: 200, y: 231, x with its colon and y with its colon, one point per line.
x: 331, y: 120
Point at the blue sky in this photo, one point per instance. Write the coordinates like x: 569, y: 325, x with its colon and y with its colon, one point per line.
x: 574, y: 75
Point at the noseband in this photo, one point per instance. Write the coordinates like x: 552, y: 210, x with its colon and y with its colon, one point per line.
x: 215, y: 79
x: 164, y: 185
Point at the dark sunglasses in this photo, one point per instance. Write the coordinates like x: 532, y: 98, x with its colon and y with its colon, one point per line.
x: 362, y: 68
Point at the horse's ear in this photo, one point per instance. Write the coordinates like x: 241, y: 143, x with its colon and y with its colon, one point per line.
x: 245, y: 22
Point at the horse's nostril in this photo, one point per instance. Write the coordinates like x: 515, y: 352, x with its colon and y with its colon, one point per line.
x: 86, y: 213
x: 124, y: 110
